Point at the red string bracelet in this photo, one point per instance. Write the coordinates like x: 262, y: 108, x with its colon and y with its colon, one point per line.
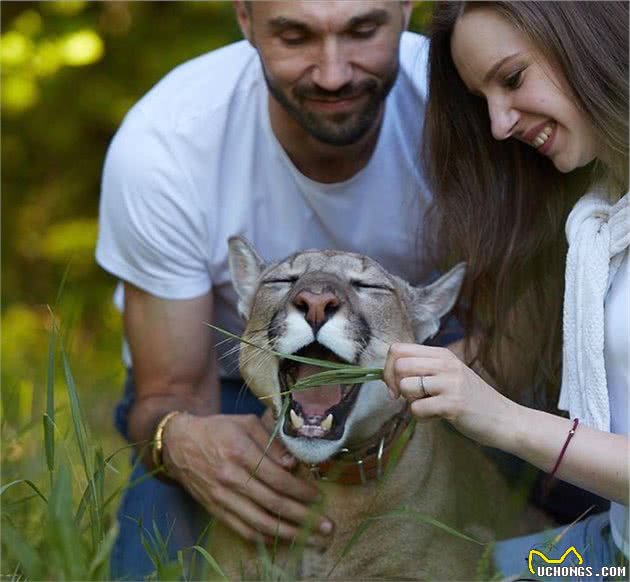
x: 576, y: 421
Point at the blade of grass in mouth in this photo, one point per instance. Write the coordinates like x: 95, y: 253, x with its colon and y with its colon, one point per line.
x: 337, y: 373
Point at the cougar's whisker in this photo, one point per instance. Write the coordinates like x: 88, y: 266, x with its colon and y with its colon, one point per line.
x: 233, y: 350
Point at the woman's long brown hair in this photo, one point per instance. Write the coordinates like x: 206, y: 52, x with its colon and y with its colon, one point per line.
x: 501, y: 206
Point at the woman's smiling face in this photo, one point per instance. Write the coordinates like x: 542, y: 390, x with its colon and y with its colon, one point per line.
x: 527, y: 98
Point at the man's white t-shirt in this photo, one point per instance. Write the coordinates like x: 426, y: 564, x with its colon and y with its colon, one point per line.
x: 196, y: 161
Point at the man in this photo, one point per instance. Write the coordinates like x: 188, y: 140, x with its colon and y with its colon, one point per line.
x: 307, y: 135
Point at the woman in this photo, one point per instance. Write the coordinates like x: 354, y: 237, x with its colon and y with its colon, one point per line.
x: 528, y: 103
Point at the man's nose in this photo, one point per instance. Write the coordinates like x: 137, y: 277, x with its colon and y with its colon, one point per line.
x: 333, y: 69
x: 503, y: 118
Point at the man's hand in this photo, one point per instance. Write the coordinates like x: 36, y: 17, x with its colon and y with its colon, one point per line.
x: 220, y: 460
x: 211, y: 455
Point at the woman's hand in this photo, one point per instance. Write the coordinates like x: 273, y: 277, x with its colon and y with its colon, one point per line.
x: 596, y: 460
x: 451, y: 390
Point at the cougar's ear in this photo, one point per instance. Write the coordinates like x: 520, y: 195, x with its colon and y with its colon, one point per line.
x: 432, y: 302
x: 245, y: 269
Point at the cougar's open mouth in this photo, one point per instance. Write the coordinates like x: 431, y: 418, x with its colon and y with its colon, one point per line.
x: 319, y: 412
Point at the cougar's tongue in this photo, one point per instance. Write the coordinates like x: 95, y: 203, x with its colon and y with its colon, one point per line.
x: 317, y: 400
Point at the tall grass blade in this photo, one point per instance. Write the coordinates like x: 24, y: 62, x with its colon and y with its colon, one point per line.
x: 99, y: 474
x: 62, y: 284
x: 300, y: 359
x: 147, y: 543
x: 358, y: 533
x: 129, y: 485
x: 99, y: 488
x: 49, y: 416
x: 199, y: 569
x: 336, y: 373
x: 67, y: 552
x: 211, y: 562
x: 180, y: 562
x: 103, y: 551
x: 409, y: 513
x: 398, y: 447
x: 166, y: 569
x: 80, y: 429
x: 81, y: 433
x: 359, y: 376
x: 268, y: 569
x: 26, y: 482
x: 274, y: 432
x: 484, y: 569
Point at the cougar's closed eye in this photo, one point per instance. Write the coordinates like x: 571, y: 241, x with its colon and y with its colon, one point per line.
x: 285, y: 280
x: 365, y: 285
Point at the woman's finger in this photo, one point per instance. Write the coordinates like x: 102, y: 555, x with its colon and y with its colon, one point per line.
x: 412, y: 360
x: 415, y: 387
x: 395, y: 351
x: 426, y: 408
x: 405, y: 367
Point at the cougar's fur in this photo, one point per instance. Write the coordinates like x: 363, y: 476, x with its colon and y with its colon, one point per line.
x: 345, y: 307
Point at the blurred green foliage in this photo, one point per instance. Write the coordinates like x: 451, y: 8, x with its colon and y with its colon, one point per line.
x: 70, y: 71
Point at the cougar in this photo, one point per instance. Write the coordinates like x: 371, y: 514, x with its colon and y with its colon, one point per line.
x: 344, y: 307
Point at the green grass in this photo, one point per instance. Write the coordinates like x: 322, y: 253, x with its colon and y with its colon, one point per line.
x: 61, y: 523
x: 63, y: 528
x: 335, y: 372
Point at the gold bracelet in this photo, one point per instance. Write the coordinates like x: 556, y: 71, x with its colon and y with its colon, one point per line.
x: 158, y: 443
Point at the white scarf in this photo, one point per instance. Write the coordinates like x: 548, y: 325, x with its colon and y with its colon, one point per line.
x: 597, y: 233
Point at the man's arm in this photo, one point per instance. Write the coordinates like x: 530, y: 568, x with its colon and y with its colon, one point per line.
x: 217, y: 458
x: 174, y: 363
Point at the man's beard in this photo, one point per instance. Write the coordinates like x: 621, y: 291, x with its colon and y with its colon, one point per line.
x: 337, y: 129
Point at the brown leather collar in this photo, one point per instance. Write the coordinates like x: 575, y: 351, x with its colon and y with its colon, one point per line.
x: 367, y: 461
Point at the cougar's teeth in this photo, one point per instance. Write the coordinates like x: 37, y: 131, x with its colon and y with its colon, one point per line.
x: 296, y: 420
x: 326, y: 424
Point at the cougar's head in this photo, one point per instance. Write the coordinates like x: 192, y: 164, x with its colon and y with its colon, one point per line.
x: 336, y: 306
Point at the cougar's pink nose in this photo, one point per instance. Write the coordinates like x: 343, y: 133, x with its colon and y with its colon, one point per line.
x: 317, y: 307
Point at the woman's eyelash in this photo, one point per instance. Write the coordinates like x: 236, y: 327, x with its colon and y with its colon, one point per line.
x: 514, y: 80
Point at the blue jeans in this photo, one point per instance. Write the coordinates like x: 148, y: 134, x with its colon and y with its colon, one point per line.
x: 591, y: 537
x: 155, y: 518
